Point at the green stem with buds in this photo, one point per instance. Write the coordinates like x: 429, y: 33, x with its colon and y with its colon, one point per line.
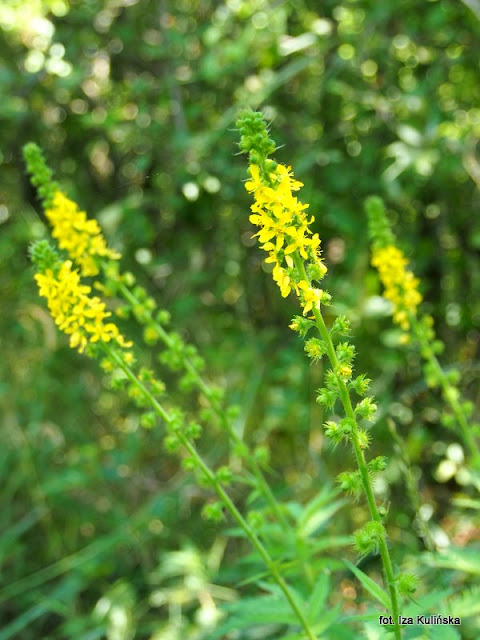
x: 359, y: 455
x: 219, y: 490
x: 209, y: 394
x: 449, y: 391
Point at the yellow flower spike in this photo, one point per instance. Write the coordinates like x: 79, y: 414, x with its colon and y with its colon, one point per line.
x: 401, y: 286
x: 284, y: 229
x: 75, y: 312
x: 80, y: 237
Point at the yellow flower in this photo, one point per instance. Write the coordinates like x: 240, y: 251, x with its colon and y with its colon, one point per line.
x: 282, y: 278
x: 345, y: 372
x: 284, y: 230
x: 80, y: 237
x: 76, y: 313
x: 255, y: 183
x: 310, y: 297
x: 401, y: 286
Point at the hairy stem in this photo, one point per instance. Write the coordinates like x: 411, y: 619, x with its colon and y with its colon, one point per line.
x: 359, y: 455
x: 449, y: 392
x: 220, y: 491
x: 209, y: 394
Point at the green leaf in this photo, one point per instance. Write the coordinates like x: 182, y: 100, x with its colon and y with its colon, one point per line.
x: 319, y: 596
x: 318, y: 512
x: 370, y: 585
x: 466, y: 604
x: 249, y: 612
x: 466, y: 560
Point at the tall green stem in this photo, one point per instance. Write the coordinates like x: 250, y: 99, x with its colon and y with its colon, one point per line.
x: 450, y: 393
x: 262, y: 484
x: 359, y: 455
x: 220, y: 491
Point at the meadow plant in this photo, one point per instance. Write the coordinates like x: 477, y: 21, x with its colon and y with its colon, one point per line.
x: 293, y: 250
x: 87, y: 322
x: 401, y: 288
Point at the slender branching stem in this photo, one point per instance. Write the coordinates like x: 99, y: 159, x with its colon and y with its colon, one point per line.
x: 359, y: 455
x: 450, y: 393
x: 270, y: 564
x: 215, y: 404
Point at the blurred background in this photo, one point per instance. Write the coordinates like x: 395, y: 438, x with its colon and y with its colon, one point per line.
x: 134, y: 104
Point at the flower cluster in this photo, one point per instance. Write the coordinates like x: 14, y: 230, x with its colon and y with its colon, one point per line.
x: 401, y: 286
x: 295, y: 253
x: 76, y: 312
x: 284, y: 227
x: 284, y: 230
x: 79, y: 236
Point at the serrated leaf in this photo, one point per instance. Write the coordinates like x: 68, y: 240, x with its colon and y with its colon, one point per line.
x: 466, y: 560
x: 370, y: 585
x: 249, y: 612
x: 428, y: 602
x: 318, y: 511
x: 466, y: 603
x: 319, y: 596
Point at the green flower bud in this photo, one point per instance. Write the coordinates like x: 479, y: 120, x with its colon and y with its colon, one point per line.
x: 139, y: 292
x: 315, y: 348
x: 262, y: 455
x: 364, y: 438
x: 189, y: 464
x: 233, y: 411
x: 326, y: 397
x: 123, y: 312
x: 224, y: 475
x: 193, y: 430
x: 148, y: 419
x: 366, y: 408
x: 138, y: 396
x: 378, y: 223
x: 345, y: 352
x: 128, y: 279
x: 360, y: 384
x: 44, y: 256
x: 377, y: 464
x: 163, y: 317
x: 150, y: 334
x: 241, y: 450
x: 213, y: 512
x: 41, y: 174
x: 368, y: 537
x: 171, y: 443
x: 350, y: 482
x: 256, y: 520
x: 340, y: 325
x: 407, y: 584
x: 187, y: 382
x: 301, y: 325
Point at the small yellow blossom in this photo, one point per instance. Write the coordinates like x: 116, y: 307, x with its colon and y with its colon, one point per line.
x: 401, y: 286
x: 310, y: 297
x: 345, y: 372
x: 80, y: 237
x: 76, y: 313
x: 294, y: 325
x: 282, y: 278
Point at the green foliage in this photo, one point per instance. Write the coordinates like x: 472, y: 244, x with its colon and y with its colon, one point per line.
x: 134, y: 104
